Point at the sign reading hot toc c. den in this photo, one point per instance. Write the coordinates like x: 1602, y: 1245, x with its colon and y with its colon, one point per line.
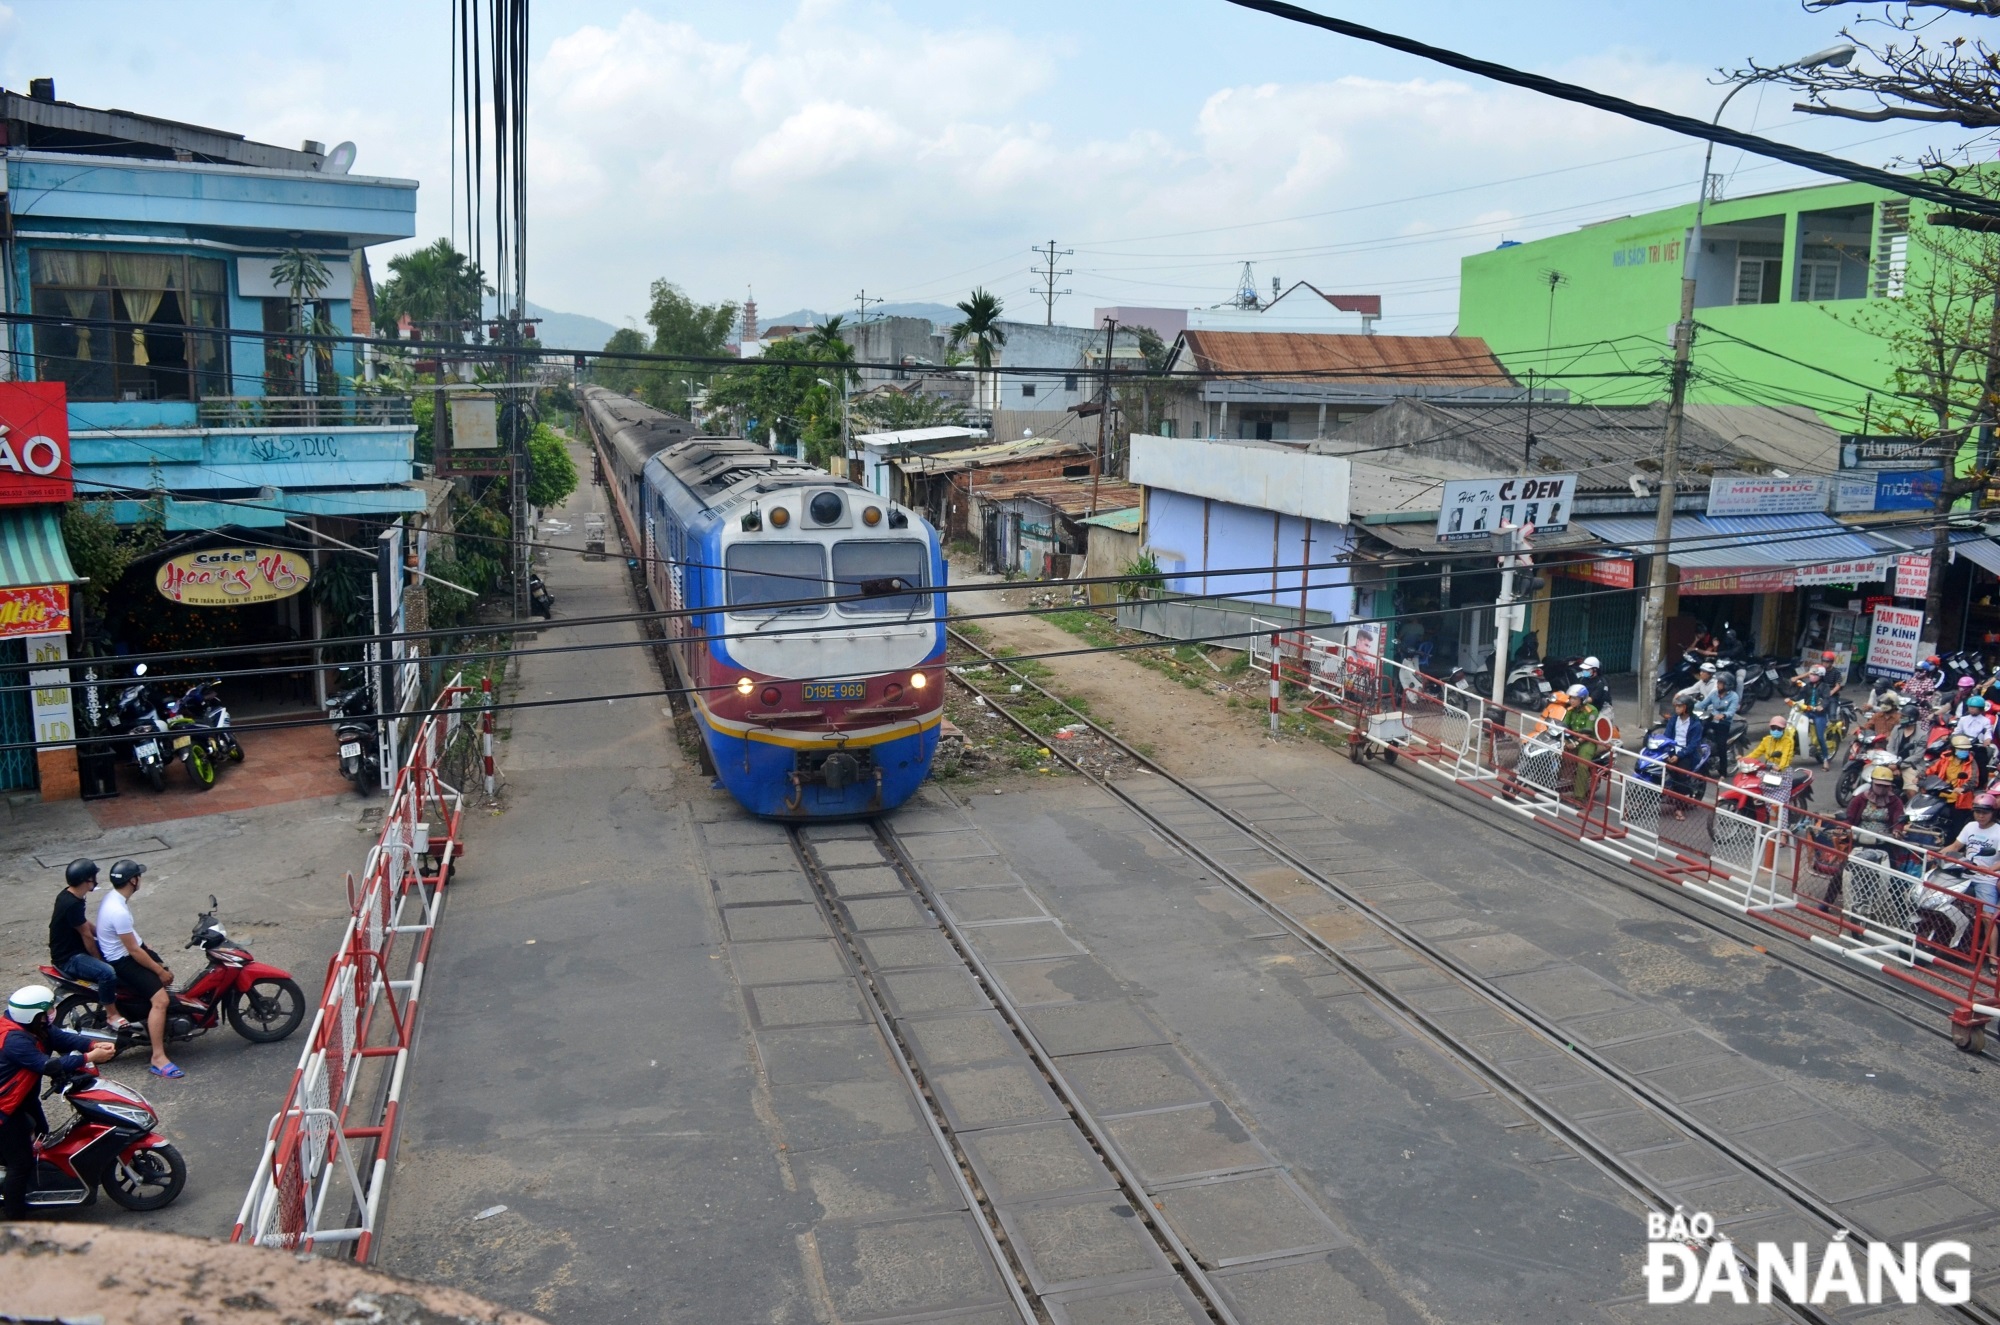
x: 233, y: 576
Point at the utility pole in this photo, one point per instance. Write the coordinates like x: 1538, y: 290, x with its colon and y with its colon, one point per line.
x: 1517, y: 553
x: 1049, y: 274
x: 1103, y: 410
x: 861, y: 302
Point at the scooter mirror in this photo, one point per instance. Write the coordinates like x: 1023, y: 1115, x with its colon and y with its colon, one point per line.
x: 211, y: 901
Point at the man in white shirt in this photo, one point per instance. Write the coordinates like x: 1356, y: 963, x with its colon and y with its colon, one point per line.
x: 138, y: 970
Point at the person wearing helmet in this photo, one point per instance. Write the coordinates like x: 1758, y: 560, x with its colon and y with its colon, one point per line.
x: 1685, y: 731
x: 1975, y: 720
x: 1581, y: 720
x: 1777, y: 747
x: 1705, y: 645
x: 1979, y: 843
x: 1964, y: 774
x: 73, y: 939
x: 1814, y: 699
x: 139, y: 968
x: 1718, y: 712
x: 31, y: 1049
x: 1922, y: 685
x: 1878, y: 808
x: 1591, y: 673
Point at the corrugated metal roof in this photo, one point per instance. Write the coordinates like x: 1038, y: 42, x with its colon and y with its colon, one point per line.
x: 1459, y: 360
x: 1071, y: 496
x: 1981, y: 552
x: 994, y: 453
x: 1421, y: 536
x: 1125, y: 521
x: 1717, y: 542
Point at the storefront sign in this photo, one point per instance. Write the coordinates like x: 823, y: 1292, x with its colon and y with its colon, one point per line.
x: 1748, y: 579
x: 1479, y: 507
x: 1913, y: 575
x: 1866, y: 451
x: 233, y: 576
x: 1892, y: 642
x: 1617, y: 572
x: 474, y: 423
x: 1766, y: 496
x: 37, y: 609
x: 1907, y: 489
x: 54, y: 723
x: 34, y: 443
x: 1865, y: 571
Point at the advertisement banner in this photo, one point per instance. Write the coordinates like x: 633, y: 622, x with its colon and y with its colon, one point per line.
x: 54, y: 722
x: 1749, y: 579
x: 1907, y: 489
x: 34, y: 443
x: 1617, y: 572
x: 1477, y: 508
x: 1893, y: 640
x: 233, y: 576
x: 1853, y: 493
x: 1865, y: 451
x: 36, y: 609
x: 1868, y: 570
x: 1913, y: 575
x: 1766, y: 496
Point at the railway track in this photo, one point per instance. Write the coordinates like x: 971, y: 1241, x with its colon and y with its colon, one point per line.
x: 1156, y: 1267
x: 1658, y: 1147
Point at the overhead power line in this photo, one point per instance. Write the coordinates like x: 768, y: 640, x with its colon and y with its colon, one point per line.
x: 1840, y: 168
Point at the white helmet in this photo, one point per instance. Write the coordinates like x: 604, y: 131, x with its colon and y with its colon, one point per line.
x: 29, y: 1002
x: 1592, y: 664
x: 1579, y: 692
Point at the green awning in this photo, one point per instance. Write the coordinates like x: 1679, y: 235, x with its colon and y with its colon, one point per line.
x: 31, y: 548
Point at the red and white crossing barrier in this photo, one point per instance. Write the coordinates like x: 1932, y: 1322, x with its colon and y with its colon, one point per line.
x: 327, y: 1152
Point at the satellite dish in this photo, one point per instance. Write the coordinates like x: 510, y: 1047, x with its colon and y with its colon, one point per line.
x: 339, y: 161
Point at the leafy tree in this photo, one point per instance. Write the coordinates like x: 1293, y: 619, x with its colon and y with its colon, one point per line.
x: 625, y: 376
x: 102, y: 551
x: 551, y: 472
x: 890, y: 411
x: 436, y: 287
x: 785, y: 393
x: 682, y: 326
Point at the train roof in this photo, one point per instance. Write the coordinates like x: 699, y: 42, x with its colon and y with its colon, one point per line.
x: 715, y: 471
x: 636, y: 432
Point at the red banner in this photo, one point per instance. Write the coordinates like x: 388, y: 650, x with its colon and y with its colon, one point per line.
x: 38, y: 609
x: 1748, y: 579
x: 34, y: 444
x: 1614, y: 571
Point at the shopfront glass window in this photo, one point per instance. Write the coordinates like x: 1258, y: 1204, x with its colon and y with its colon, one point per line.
x: 166, y: 352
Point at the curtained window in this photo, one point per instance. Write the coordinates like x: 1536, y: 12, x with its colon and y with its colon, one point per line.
x: 169, y: 355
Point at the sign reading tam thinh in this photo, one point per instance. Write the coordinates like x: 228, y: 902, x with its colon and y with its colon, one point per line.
x: 34, y: 444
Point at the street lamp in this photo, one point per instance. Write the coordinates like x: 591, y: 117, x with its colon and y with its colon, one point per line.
x: 1652, y: 620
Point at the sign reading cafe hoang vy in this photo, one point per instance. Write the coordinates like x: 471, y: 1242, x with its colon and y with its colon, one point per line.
x: 1480, y: 507
x: 233, y: 576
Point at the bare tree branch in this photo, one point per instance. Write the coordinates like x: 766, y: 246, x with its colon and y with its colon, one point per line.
x: 1877, y: 115
x: 1976, y: 8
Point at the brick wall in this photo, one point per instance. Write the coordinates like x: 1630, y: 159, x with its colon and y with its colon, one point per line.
x: 959, y: 519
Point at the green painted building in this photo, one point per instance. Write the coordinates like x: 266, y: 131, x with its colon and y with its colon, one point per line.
x: 1792, y: 289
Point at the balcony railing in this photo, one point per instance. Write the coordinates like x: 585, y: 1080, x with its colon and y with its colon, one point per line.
x: 305, y: 411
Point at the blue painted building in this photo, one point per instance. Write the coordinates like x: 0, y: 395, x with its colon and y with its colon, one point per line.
x: 123, y: 218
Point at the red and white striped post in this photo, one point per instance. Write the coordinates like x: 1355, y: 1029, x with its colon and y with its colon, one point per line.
x: 1274, y: 682
x: 486, y: 731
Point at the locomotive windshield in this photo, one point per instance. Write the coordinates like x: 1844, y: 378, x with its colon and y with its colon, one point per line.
x: 761, y: 574
x: 876, y: 575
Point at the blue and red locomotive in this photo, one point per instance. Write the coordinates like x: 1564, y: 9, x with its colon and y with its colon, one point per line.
x: 812, y: 646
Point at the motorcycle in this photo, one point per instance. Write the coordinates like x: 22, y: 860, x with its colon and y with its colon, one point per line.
x: 109, y: 1145
x: 1928, y: 816
x: 263, y: 1003
x: 360, y: 755
x: 135, y: 714
x: 540, y: 601
x: 1868, y: 749
x: 1944, y: 910
x: 1757, y: 792
x: 203, y: 701
x: 188, y: 741
x: 1651, y: 764
x: 1677, y: 676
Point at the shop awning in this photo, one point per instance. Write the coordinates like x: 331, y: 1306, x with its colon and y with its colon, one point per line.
x: 1421, y: 536
x: 31, y: 548
x: 1738, y: 541
x: 1981, y: 551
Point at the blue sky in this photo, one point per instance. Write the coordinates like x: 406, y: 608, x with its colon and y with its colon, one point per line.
x: 815, y: 147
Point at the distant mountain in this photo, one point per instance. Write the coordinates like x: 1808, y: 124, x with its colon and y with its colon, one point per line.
x: 943, y: 314
x: 570, y: 331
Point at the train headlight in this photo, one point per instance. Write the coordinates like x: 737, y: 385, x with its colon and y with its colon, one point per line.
x: 826, y: 507
x: 780, y: 517
x: 744, y: 685
x: 898, y: 520
x: 752, y: 521
x: 872, y: 516
x: 918, y: 680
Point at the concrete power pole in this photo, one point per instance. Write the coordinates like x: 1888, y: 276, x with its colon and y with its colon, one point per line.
x: 1049, y: 275
x: 1653, y: 612
x: 861, y: 302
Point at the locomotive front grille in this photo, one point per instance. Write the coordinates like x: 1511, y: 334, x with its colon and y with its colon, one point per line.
x: 835, y: 768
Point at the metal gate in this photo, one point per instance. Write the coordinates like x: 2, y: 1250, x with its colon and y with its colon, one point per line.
x: 17, y: 719
x: 1586, y: 618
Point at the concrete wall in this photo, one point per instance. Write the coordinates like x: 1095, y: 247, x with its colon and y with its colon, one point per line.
x: 1195, y: 537
x: 1260, y: 475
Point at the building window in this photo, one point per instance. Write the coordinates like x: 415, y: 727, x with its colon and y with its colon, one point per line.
x: 1069, y: 382
x: 1166, y: 427
x: 1833, y: 254
x: 1819, y: 275
x: 1027, y: 388
x: 297, y: 367
x: 1758, y: 270
x: 1076, y: 471
x: 1892, y: 248
x: 162, y: 358
x: 1264, y: 425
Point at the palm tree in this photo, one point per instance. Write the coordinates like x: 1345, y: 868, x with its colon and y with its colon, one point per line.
x: 435, y: 284
x: 981, y: 326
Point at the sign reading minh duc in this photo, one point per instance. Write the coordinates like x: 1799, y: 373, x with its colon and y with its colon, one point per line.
x: 233, y: 576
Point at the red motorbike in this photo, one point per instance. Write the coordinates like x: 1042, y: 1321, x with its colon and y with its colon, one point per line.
x: 109, y: 1144
x: 263, y: 1003
x: 1756, y: 792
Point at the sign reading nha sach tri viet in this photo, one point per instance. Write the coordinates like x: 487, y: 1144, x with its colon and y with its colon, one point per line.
x: 233, y: 576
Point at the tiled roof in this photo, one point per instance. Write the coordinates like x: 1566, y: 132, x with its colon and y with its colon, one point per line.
x: 1455, y: 360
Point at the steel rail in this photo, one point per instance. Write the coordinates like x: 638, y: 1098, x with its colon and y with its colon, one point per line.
x: 998, y: 1245
x: 1436, y: 1028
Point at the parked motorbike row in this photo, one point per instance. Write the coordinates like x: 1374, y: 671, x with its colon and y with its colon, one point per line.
x: 192, y: 730
x: 112, y: 1143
